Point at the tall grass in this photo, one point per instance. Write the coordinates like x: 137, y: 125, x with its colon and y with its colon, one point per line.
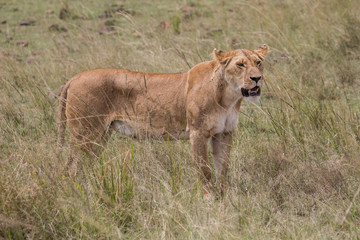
x: 295, y: 162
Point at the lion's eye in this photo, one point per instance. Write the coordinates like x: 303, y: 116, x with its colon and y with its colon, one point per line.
x: 241, y: 64
x: 258, y: 63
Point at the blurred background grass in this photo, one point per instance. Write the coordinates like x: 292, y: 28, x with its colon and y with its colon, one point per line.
x: 295, y: 162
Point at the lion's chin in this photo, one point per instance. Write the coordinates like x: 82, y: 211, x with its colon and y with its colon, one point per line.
x: 253, y: 98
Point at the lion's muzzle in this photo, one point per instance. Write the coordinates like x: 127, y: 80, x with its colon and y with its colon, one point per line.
x: 255, y: 91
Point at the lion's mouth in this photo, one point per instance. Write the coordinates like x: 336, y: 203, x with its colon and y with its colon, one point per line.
x: 255, y: 91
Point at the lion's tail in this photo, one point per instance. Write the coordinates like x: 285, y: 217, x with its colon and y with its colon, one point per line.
x: 62, y: 115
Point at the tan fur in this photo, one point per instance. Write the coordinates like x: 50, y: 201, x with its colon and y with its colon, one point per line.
x: 202, y: 103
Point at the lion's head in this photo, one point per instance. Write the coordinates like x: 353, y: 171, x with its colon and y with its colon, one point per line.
x: 243, y: 70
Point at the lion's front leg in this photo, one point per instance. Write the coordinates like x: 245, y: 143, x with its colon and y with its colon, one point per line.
x: 198, y: 141
x: 221, y: 145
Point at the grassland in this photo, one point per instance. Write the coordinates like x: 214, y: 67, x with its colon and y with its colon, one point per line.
x: 295, y: 162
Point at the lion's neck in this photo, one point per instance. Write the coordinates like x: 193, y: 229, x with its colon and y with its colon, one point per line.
x: 227, y: 96
x: 230, y: 97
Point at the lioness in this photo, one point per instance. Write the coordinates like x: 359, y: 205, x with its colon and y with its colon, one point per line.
x: 200, y: 104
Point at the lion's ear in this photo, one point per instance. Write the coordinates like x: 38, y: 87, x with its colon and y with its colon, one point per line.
x: 262, y: 51
x: 221, y: 56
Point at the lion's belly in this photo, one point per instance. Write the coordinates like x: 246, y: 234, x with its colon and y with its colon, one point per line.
x: 147, y: 120
x: 155, y: 111
x: 142, y: 131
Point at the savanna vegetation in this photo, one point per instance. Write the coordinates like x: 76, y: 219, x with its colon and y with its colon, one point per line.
x: 295, y: 162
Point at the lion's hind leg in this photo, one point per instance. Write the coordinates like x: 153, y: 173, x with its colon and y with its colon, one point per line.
x: 86, y: 140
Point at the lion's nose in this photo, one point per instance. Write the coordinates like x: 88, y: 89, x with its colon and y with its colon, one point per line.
x: 256, y: 79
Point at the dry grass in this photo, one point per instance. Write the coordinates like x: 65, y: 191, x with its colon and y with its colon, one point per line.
x: 295, y: 162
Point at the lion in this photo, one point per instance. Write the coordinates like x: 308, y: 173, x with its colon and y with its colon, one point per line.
x: 199, y: 105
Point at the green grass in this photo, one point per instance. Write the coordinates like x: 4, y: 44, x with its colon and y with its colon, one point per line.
x: 295, y: 161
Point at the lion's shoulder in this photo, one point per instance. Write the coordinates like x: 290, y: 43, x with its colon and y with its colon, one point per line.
x: 199, y: 73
